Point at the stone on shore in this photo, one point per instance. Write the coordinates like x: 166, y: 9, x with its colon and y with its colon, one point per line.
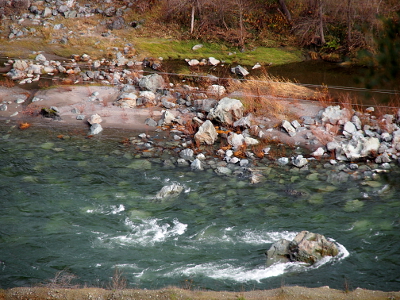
x: 206, y: 133
x: 239, y: 70
x: 288, y: 128
x: 227, y: 111
x: 196, y: 165
x: 93, y: 119
x: 167, y: 118
x: 95, y: 129
x: 152, y: 82
x: 127, y: 100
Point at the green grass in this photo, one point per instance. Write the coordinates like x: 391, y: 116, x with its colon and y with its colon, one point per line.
x: 171, y: 49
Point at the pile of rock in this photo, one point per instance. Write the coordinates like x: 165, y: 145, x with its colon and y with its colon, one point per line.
x: 104, y: 71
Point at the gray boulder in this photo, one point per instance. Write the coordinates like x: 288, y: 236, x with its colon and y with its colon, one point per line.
x: 150, y: 122
x: 117, y: 23
x: 206, y: 134
x: 227, y: 111
x: 306, y: 247
x: 204, y: 104
x: 152, y: 82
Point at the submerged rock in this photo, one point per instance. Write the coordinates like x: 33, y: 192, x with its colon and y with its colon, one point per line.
x: 169, y: 191
x: 306, y: 247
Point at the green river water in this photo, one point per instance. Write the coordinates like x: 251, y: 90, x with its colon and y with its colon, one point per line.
x: 87, y: 206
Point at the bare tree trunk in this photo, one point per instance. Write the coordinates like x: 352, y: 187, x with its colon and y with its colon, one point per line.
x: 285, y: 11
x: 349, y: 23
x: 192, y: 19
x: 321, y: 23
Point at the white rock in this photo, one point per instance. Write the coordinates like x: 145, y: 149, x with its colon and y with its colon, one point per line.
x: 295, y: 124
x: 319, y: 152
x: 93, y: 119
x: 299, y: 161
x: 201, y: 156
x: 227, y: 110
x: 213, y: 61
x: 283, y: 160
x: 196, y: 165
x: 148, y: 95
x: 167, y: 118
x: 234, y: 160
x: 186, y: 153
x: 206, y: 133
x: 289, y: 128
x: 216, y: 89
x: 193, y: 62
x: 229, y: 153
x: 40, y: 58
x: 197, y: 47
x: 249, y: 141
x: 235, y: 140
x: 169, y: 191
x: 95, y: 129
x: 350, y: 127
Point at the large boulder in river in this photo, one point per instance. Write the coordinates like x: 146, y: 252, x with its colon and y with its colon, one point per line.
x: 227, y: 111
x: 306, y: 247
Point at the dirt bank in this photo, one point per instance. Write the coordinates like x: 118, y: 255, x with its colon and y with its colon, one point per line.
x: 293, y: 292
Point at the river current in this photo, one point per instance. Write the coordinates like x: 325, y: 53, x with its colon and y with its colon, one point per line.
x: 88, y: 206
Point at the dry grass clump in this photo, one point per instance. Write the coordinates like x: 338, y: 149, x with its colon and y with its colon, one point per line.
x: 7, y: 82
x: 268, y: 85
x: 263, y: 96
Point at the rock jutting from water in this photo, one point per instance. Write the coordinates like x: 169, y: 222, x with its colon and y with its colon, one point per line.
x: 306, y: 247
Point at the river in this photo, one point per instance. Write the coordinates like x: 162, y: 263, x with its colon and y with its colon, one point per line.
x: 87, y: 206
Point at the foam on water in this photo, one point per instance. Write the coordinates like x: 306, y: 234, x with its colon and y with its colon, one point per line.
x: 245, y: 236
x: 237, y: 270
x: 234, y: 270
x: 107, y: 210
x: 146, y: 232
x: 230, y: 271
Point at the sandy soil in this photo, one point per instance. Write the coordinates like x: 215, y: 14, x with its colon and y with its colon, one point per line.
x: 65, y: 98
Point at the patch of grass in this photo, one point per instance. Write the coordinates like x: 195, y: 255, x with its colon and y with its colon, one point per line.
x: 173, y: 49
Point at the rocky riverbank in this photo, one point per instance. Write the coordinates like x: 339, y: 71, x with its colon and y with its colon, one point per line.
x: 213, y: 126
